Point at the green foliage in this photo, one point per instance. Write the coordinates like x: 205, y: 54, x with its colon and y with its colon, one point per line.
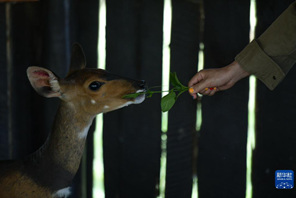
x: 168, y: 101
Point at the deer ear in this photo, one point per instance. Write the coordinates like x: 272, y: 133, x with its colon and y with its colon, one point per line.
x: 44, y: 82
x: 77, y: 58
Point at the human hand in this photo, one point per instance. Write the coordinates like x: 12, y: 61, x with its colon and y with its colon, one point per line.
x: 209, y: 81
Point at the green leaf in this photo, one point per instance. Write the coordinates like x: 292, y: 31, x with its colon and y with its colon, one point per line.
x: 168, y: 101
x: 133, y: 95
x: 174, y: 79
x: 149, y: 93
x: 175, y: 82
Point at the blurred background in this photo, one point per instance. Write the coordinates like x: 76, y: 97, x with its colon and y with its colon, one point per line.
x: 226, y: 146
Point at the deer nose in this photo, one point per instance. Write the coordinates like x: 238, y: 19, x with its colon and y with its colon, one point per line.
x: 142, y: 84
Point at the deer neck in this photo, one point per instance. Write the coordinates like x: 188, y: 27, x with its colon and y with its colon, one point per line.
x: 60, y: 156
x: 67, y: 140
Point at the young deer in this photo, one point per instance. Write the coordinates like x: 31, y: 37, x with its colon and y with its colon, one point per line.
x: 84, y: 93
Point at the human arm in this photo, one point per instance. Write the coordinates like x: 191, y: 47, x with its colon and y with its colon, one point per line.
x: 269, y: 58
x: 273, y: 54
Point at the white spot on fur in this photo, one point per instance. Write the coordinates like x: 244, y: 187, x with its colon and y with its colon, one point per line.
x: 84, y: 132
x: 93, y: 101
x: 63, y: 193
x: 106, y: 107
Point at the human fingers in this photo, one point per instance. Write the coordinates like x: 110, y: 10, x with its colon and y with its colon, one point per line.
x: 198, y: 88
x: 208, y: 91
x: 213, y: 91
x: 196, y: 78
x: 202, y: 86
x: 205, y: 91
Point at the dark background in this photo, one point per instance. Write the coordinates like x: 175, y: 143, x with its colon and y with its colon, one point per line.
x: 41, y: 33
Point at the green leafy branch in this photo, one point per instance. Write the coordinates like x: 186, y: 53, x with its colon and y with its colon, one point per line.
x: 168, y: 101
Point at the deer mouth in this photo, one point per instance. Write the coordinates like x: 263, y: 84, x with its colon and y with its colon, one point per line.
x: 141, y: 97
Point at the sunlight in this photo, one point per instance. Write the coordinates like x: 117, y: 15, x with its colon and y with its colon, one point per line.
x: 167, y: 22
x: 98, y: 166
x: 251, y: 109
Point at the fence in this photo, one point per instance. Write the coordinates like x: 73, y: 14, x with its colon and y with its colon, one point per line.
x: 41, y: 33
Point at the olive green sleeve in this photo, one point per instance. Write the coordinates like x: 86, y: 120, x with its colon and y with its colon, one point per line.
x: 273, y: 54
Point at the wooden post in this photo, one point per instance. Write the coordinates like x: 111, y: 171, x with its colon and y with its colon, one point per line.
x: 222, y: 145
x: 132, y: 135
x: 275, y: 124
x: 184, y: 57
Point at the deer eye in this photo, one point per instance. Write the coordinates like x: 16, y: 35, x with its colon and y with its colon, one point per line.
x: 94, y: 86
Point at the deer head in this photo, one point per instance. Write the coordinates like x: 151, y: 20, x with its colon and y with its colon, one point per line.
x: 88, y: 90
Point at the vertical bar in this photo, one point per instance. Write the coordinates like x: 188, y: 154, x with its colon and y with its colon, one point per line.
x: 251, y: 135
x: 4, y: 102
x: 223, y: 137
x: 84, y: 178
x: 121, y: 45
x: 275, y: 119
x: 83, y: 20
x: 98, y: 188
x: 200, y: 66
x: 167, y: 22
x: 199, y: 103
x: 9, y: 77
x: 21, y: 48
x: 131, y: 147
x: 67, y: 30
x: 102, y: 35
x: 182, y: 117
x: 251, y: 109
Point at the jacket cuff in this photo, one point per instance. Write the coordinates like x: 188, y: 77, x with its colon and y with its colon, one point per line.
x: 255, y: 61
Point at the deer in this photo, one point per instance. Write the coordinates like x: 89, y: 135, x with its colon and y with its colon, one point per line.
x: 83, y: 93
